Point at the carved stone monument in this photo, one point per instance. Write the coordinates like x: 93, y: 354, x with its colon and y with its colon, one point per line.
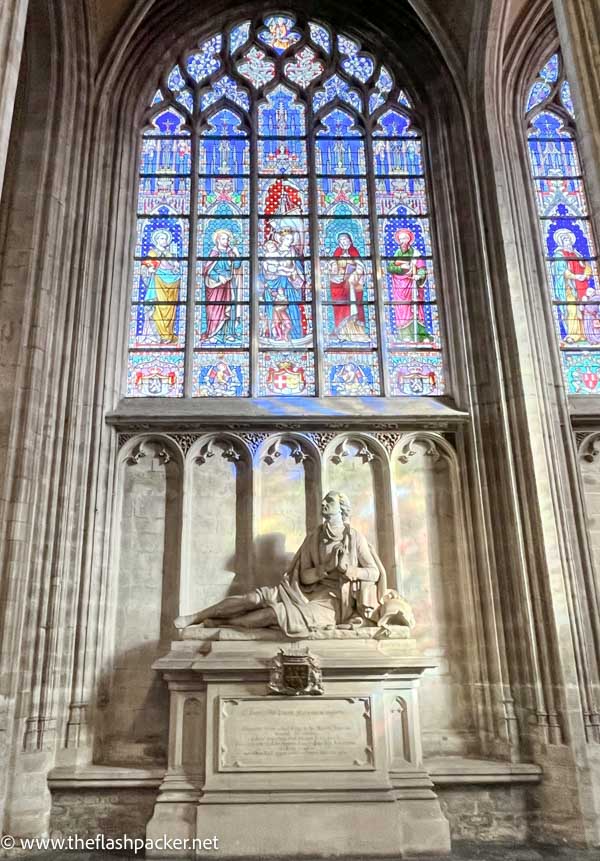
x: 294, y: 715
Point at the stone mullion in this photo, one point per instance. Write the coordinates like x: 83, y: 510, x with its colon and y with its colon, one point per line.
x: 190, y: 331
x: 313, y: 233
x: 13, y: 14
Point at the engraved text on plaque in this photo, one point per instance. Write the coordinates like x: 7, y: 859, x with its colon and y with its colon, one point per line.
x: 304, y: 734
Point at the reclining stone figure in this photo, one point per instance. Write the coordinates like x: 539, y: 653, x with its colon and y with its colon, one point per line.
x: 335, y: 578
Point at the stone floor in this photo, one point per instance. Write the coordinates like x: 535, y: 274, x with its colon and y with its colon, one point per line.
x: 462, y: 852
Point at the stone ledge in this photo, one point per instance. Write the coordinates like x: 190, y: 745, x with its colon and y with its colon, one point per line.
x: 458, y: 770
x: 307, y: 413
x: 270, y: 635
x: 443, y: 770
x: 105, y: 776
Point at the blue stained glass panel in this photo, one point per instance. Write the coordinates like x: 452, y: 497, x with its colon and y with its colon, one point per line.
x: 279, y: 33
x: 282, y: 156
x: 157, y: 326
x: 175, y: 81
x: 410, y: 325
x: 283, y: 236
x: 283, y: 196
x: 347, y: 46
x: 341, y: 156
x: 569, y: 288
x: 293, y: 275
x: 383, y: 87
x: 408, y: 278
x: 221, y: 375
x: 284, y: 324
x: 162, y: 237
x: 351, y: 374
x: 304, y: 68
x: 561, y: 197
x: 359, y: 66
x: 167, y: 122
x: 205, y: 61
x: 157, y: 98
x: 376, y: 100
x: 221, y: 231
x: 350, y: 325
x: 342, y: 196
x: 554, y: 157
x: 280, y: 114
x: 549, y: 73
x: 568, y: 236
x: 222, y: 325
x: 338, y: 123
x: 548, y: 125
x: 239, y: 36
x: 403, y: 99
x: 333, y: 233
x: 582, y: 372
x: 166, y: 156
x: 393, y: 124
x: 224, y: 123
x: 416, y: 374
x: 398, y: 156
x: 186, y: 99
x: 578, y: 325
x: 288, y: 373
x: 157, y: 192
x: 538, y: 92
x: 320, y: 36
x: 565, y: 97
x: 256, y: 68
x: 392, y: 193
x: 223, y: 156
x: 225, y: 88
x: 400, y: 234
x: 223, y: 195
x: 384, y: 82
x: 334, y: 87
x: 235, y: 270
x: 345, y: 278
x: 155, y: 375
x: 153, y: 273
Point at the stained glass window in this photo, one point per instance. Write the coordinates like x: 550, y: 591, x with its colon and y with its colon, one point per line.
x: 283, y: 242
x: 567, y: 234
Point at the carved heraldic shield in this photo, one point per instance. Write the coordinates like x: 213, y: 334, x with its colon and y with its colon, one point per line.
x: 294, y: 674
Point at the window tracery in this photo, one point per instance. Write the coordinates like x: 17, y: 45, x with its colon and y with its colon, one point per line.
x: 283, y: 238
x: 567, y: 232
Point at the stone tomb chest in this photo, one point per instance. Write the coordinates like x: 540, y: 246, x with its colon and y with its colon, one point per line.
x: 338, y: 771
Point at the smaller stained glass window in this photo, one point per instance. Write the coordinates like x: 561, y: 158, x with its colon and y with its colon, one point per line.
x: 566, y: 229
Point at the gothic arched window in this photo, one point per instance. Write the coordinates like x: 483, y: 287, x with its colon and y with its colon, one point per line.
x: 283, y: 239
x: 567, y: 233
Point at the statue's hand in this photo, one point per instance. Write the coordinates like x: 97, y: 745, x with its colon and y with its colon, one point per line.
x: 343, y: 561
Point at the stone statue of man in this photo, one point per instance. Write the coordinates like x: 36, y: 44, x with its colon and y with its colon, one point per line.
x: 334, y: 577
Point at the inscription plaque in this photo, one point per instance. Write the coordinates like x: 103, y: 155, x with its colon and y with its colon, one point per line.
x: 303, y: 734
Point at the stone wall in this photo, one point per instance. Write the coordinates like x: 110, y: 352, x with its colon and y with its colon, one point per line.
x: 248, y: 502
x: 498, y: 813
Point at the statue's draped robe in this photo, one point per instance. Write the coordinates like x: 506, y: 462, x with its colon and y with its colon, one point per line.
x: 302, y: 608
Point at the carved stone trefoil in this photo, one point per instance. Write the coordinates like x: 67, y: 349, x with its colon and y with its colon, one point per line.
x: 294, y: 674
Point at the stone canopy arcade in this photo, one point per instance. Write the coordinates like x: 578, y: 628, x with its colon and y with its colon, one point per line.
x: 193, y: 357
